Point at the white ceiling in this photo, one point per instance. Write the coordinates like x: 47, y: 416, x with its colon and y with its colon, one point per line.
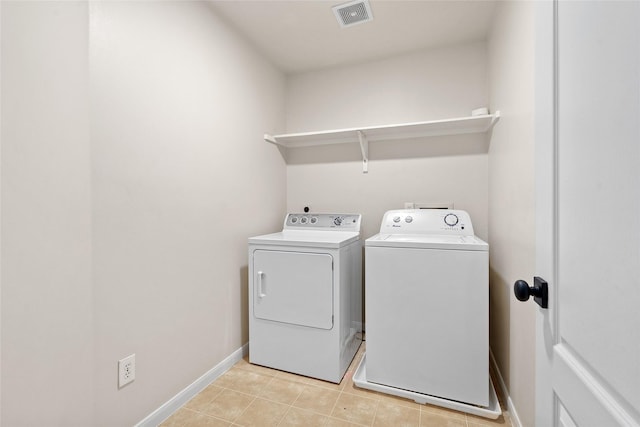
x: 302, y: 35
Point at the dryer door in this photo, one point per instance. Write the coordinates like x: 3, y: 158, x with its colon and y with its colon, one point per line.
x: 293, y: 287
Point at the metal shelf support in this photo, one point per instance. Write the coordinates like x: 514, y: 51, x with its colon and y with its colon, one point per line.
x: 364, y: 148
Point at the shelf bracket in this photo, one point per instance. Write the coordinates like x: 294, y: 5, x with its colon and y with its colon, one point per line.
x: 494, y: 120
x: 364, y: 148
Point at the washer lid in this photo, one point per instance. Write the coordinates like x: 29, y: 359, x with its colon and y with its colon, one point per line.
x: 428, y: 241
x: 307, y: 238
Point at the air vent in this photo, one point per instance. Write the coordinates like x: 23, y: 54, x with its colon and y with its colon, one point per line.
x: 352, y: 13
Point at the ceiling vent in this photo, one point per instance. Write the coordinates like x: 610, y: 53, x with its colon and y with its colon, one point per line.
x: 352, y: 13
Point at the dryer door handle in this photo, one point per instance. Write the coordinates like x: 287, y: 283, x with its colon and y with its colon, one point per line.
x: 261, y: 293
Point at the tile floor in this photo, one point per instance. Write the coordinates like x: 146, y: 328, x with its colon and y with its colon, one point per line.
x: 250, y: 395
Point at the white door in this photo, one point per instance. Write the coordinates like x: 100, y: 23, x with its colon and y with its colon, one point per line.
x: 293, y: 287
x: 588, y: 212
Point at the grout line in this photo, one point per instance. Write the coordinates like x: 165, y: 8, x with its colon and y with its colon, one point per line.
x: 290, y: 406
x: 245, y: 410
x: 375, y: 413
x: 284, y: 416
x: 336, y: 403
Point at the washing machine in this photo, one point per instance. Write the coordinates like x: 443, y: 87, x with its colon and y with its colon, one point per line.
x: 427, y: 310
x: 305, y: 295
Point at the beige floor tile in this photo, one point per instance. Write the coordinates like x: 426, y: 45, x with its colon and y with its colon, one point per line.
x: 297, y: 417
x: 252, y: 395
x: 244, y: 364
x: 228, y: 405
x: 187, y: 418
x: 401, y: 401
x: 323, y: 384
x: 392, y: 415
x: 445, y: 412
x: 355, y: 409
x: 501, y: 421
x: 179, y: 418
x: 317, y: 399
x: 428, y: 419
x: 201, y: 420
x: 244, y: 381
x: 351, y: 388
x: 335, y: 422
x: 202, y: 399
x: 262, y: 413
x: 282, y: 391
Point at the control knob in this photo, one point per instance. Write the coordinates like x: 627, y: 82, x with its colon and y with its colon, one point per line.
x: 451, y: 219
x: 337, y: 221
x: 396, y: 219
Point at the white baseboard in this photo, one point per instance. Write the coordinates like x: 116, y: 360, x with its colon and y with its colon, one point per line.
x: 515, y: 420
x: 173, y: 404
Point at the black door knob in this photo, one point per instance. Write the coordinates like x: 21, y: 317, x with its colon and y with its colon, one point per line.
x: 539, y: 291
x: 522, y: 290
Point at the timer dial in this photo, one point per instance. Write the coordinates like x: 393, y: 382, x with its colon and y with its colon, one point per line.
x: 337, y: 221
x: 451, y: 219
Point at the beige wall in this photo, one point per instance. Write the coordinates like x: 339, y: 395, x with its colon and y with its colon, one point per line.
x: 47, y: 324
x: 181, y: 179
x: 511, y: 201
x: 427, y: 85
x: 127, y: 201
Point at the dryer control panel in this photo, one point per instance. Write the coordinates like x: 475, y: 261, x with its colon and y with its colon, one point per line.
x: 322, y: 221
x: 427, y: 221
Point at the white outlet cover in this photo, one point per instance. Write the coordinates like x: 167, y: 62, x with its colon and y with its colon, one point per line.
x: 126, y: 370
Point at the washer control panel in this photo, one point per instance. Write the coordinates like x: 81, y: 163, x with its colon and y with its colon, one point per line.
x: 322, y: 221
x: 427, y: 221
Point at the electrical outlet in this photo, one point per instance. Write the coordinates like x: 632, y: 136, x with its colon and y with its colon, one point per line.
x: 409, y: 205
x: 126, y: 370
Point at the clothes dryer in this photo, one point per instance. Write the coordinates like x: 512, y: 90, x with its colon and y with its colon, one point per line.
x: 305, y: 295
